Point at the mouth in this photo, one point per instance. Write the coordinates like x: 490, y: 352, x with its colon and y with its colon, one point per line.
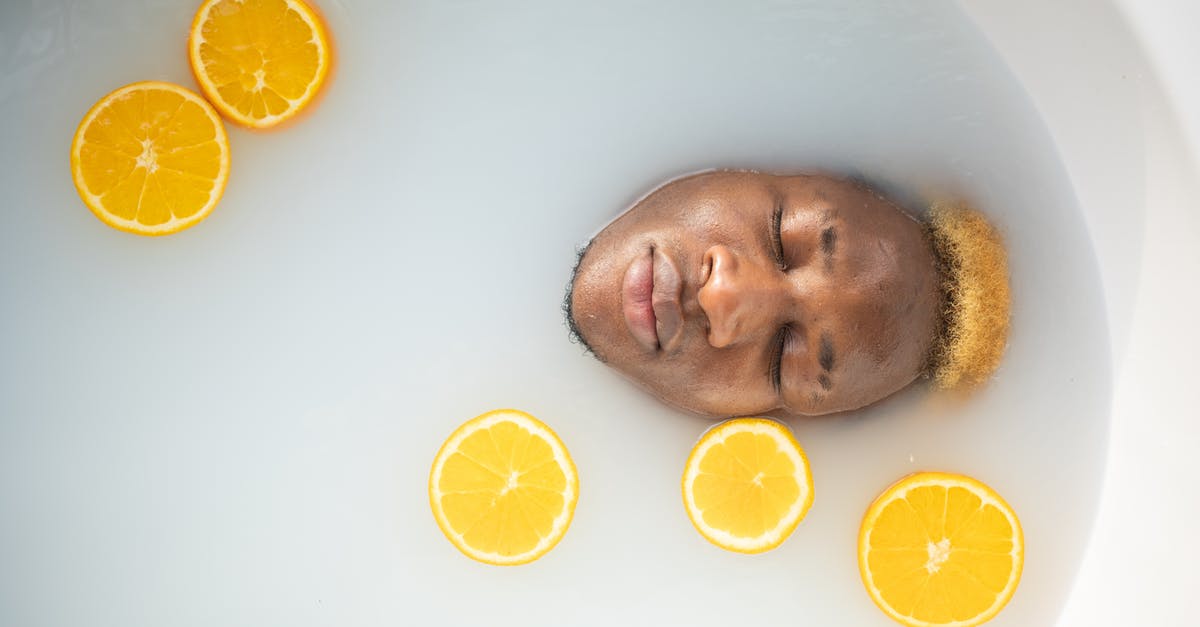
x: 637, y: 300
x: 650, y: 293
x: 665, y: 301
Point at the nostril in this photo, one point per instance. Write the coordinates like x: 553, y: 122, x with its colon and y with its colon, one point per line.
x: 717, y: 259
x: 706, y: 269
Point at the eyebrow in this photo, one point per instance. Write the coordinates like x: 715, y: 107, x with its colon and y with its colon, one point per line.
x: 828, y: 245
x: 825, y: 352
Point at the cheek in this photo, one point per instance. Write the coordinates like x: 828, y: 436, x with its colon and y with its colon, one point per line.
x: 713, y: 383
x: 870, y: 342
x: 867, y: 378
x: 891, y: 325
x: 680, y: 381
x: 698, y: 229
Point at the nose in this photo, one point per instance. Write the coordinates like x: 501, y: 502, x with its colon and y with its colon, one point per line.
x: 739, y: 297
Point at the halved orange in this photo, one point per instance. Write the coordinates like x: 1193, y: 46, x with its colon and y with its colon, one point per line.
x: 260, y: 62
x: 940, y: 550
x: 503, y: 488
x: 150, y: 158
x: 747, y: 485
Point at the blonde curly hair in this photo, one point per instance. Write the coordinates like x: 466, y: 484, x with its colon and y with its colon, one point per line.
x: 975, y: 297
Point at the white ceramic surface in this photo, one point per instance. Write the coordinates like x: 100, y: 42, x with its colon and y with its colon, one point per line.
x: 233, y: 425
x: 1118, y: 86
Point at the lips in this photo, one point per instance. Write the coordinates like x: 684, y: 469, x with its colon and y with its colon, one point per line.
x: 650, y: 301
x: 637, y: 293
x: 668, y: 312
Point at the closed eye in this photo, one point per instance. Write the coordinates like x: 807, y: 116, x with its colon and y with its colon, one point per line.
x: 775, y: 372
x: 777, y: 237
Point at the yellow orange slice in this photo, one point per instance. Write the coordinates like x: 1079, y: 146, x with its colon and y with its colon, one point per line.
x: 503, y: 488
x: 260, y: 62
x: 150, y: 158
x: 939, y: 549
x: 747, y: 485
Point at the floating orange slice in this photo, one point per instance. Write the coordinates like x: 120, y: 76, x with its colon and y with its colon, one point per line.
x: 150, y: 158
x: 503, y: 488
x: 260, y: 62
x: 940, y: 550
x: 747, y: 485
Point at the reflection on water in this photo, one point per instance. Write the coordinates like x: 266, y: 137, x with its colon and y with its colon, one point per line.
x: 238, y: 421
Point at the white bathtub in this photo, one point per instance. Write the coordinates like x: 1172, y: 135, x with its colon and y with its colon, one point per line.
x: 255, y: 449
x: 1118, y: 85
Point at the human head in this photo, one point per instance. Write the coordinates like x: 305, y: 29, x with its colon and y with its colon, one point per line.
x: 733, y: 293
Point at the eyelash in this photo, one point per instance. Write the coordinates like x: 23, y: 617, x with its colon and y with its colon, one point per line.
x: 777, y: 237
x: 776, y: 369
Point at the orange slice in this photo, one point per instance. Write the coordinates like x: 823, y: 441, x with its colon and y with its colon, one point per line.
x: 747, y: 485
x: 150, y: 158
x: 503, y: 488
x: 942, y: 550
x: 260, y: 62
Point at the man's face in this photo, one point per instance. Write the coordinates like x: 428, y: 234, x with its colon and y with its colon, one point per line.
x: 735, y: 293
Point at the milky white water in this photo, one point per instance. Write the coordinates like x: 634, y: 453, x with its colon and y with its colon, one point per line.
x: 234, y: 425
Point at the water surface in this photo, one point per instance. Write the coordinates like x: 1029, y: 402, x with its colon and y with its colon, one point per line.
x: 234, y: 425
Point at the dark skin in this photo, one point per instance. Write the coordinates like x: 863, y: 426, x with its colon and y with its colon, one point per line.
x: 736, y: 293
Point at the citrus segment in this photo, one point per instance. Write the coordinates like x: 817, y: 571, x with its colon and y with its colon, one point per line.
x: 747, y: 485
x: 150, y: 158
x: 259, y: 61
x: 940, y: 549
x: 503, y: 488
